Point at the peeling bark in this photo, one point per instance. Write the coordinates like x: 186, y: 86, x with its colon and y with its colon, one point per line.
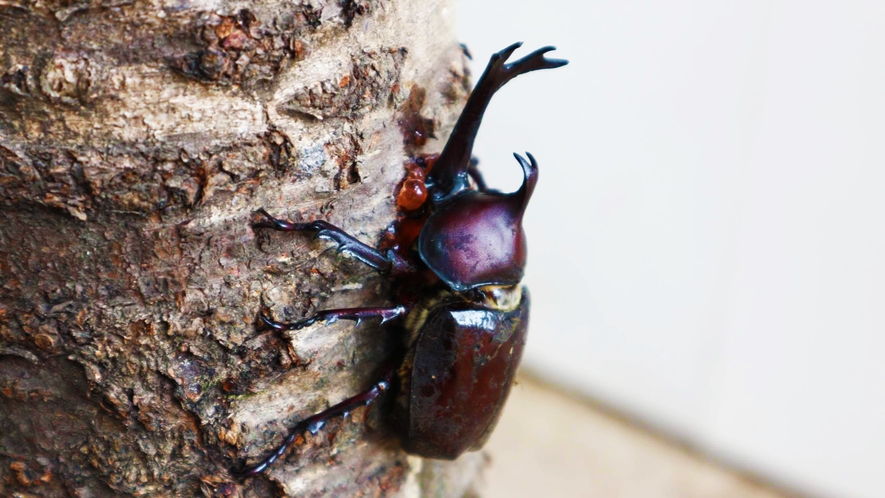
x: 136, y: 141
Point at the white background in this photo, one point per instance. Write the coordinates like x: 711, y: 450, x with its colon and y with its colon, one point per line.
x: 707, y: 239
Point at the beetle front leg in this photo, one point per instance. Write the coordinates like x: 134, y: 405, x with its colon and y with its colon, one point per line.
x: 331, y: 316
x: 391, y: 263
x: 316, y: 422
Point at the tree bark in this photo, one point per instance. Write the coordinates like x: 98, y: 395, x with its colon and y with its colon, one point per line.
x: 137, y: 139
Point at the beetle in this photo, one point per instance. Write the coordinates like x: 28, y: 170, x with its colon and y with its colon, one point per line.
x: 458, y: 292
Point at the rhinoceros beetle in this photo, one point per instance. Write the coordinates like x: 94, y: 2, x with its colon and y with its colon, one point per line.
x: 465, y: 315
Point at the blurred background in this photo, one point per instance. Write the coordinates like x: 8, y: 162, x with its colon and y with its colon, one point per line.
x: 706, y: 239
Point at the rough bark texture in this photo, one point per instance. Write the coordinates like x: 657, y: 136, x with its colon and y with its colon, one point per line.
x: 136, y: 141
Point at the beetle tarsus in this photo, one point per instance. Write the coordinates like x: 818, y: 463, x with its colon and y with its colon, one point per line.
x: 277, y: 223
x: 332, y: 316
x: 315, y: 423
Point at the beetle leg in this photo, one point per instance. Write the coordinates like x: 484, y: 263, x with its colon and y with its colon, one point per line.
x: 390, y: 263
x: 316, y: 422
x: 449, y: 174
x: 331, y: 316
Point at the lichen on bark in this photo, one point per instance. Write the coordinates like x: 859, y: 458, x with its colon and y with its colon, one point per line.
x: 136, y: 141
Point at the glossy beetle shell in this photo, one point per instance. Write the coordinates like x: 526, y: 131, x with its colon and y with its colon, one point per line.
x: 474, y: 242
x: 476, y: 238
x: 465, y: 359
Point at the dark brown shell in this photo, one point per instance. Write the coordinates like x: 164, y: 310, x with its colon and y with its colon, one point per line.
x: 476, y: 238
x: 464, y: 363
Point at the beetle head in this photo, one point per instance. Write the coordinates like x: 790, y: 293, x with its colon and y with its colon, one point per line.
x: 476, y: 238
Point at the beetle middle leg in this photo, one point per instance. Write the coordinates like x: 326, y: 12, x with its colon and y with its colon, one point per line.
x: 331, y: 316
x: 390, y: 263
x: 316, y: 422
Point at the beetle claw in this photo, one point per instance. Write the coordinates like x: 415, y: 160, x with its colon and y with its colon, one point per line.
x: 276, y: 223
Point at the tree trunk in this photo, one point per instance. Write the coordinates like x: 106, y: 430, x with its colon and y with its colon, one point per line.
x: 137, y: 139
